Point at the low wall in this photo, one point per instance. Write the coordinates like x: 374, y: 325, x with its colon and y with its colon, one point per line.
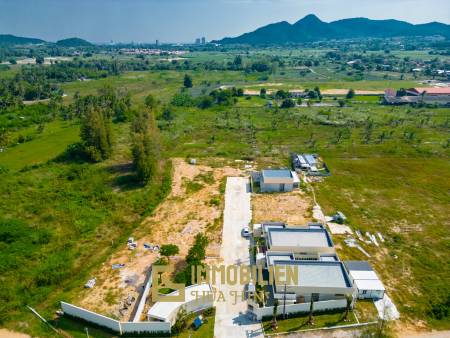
x: 112, y: 324
x: 296, y: 308
x: 91, y: 317
x: 143, y: 327
x: 143, y: 298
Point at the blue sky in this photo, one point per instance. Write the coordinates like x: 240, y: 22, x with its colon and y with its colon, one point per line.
x: 184, y: 20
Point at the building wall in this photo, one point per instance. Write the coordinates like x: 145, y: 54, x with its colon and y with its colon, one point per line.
x: 112, y: 324
x: 259, y: 313
x: 275, y: 187
x: 371, y: 294
x: 91, y: 317
x: 310, y: 250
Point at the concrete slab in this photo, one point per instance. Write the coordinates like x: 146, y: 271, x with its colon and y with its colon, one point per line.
x: 231, y: 316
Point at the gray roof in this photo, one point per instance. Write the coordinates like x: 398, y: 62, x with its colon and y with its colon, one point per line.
x: 296, y: 237
x: 284, y: 173
x: 319, y: 274
x: 358, y: 266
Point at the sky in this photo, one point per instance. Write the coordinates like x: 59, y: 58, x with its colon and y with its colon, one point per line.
x: 185, y: 20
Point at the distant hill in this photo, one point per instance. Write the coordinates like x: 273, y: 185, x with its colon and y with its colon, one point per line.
x: 73, y: 42
x: 11, y: 40
x: 311, y: 28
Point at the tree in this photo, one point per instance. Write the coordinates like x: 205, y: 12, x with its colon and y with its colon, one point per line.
x: 274, y: 318
x: 39, y: 60
x: 288, y: 103
x: 150, y: 102
x: 181, y: 320
x: 349, y: 299
x: 96, y: 134
x: 145, y: 146
x: 311, y: 310
x: 168, y: 250
x: 350, y: 94
x: 262, y: 92
x: 187, y: 82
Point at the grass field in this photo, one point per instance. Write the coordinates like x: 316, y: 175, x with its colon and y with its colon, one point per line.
x: 301, y: 322
x: 390, y: 173
x: 46, y: 146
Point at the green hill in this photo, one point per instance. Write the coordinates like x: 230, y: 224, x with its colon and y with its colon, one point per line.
x: 11, y: 40
x: 73, y: 42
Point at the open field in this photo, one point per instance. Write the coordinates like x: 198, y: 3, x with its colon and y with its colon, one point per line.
x: 194, y: 206
x: 390, y: 173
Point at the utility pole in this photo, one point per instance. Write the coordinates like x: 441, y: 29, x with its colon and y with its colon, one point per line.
x: 284, y: 302
x: 87, y: 332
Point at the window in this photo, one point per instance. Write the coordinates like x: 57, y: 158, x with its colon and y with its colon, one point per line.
x: 364, y: 292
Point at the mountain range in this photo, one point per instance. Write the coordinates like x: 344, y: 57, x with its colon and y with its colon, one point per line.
x: 311, y: 28
x: 12, y: 40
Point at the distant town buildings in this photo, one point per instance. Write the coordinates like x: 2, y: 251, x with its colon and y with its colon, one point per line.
x: 149, y: 51
x: 200, y: 41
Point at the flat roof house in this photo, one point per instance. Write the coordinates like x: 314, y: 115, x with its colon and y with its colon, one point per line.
x: 278, y: 180
x: 197, y: 297
x: 365, y: 280
x: 325, y: 280
x: 310, y: 242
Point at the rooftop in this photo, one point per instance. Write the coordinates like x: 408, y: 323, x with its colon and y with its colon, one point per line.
x: 358, y: 266
x: 319, y: 274
x: 284, y: 173
x: 298, y: 237
x: 432, y: 91
x: 164, y: 310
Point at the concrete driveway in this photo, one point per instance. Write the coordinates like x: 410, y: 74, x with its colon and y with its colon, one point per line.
x: 231, y: 319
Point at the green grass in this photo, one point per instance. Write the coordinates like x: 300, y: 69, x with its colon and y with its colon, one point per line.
x: 366, y: 311
x: 301, y: 322
x: 398, y: 185
x: 407, y: 202
x: 60, y: 221
x: 53, y: 141
x: 204, y: 331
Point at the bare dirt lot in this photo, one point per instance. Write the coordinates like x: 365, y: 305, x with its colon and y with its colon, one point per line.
x: 294, y: 208
x: 194, y: 205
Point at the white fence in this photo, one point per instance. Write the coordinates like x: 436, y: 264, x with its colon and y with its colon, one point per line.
x: 295, y: 308
x: 140, y: 308
x: 143, y: 327
x: 112, y: 324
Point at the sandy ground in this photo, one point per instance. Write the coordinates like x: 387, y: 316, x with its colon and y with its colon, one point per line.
x: 339, y: 229
x: 176, y: 221
x: 432, y: 334
x: 294, y: 208
x: 4, y: 333
x: 345, y: 91
x: 341, y: 333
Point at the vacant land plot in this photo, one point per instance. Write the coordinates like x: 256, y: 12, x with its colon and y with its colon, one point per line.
x: 194, y: 206
x: 294, y: 208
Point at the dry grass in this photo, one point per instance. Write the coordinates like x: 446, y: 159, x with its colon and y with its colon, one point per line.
x: 186, y: 212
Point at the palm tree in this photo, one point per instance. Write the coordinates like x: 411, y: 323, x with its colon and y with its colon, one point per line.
x: 311, y: 310
x: 349, y: 299
x: 274, y: 319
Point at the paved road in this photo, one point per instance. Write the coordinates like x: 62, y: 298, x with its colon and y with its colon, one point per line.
x: 231, y: 319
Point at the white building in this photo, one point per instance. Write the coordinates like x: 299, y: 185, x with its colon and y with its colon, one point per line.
x: 365, y: 280
x: 197, y: 297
